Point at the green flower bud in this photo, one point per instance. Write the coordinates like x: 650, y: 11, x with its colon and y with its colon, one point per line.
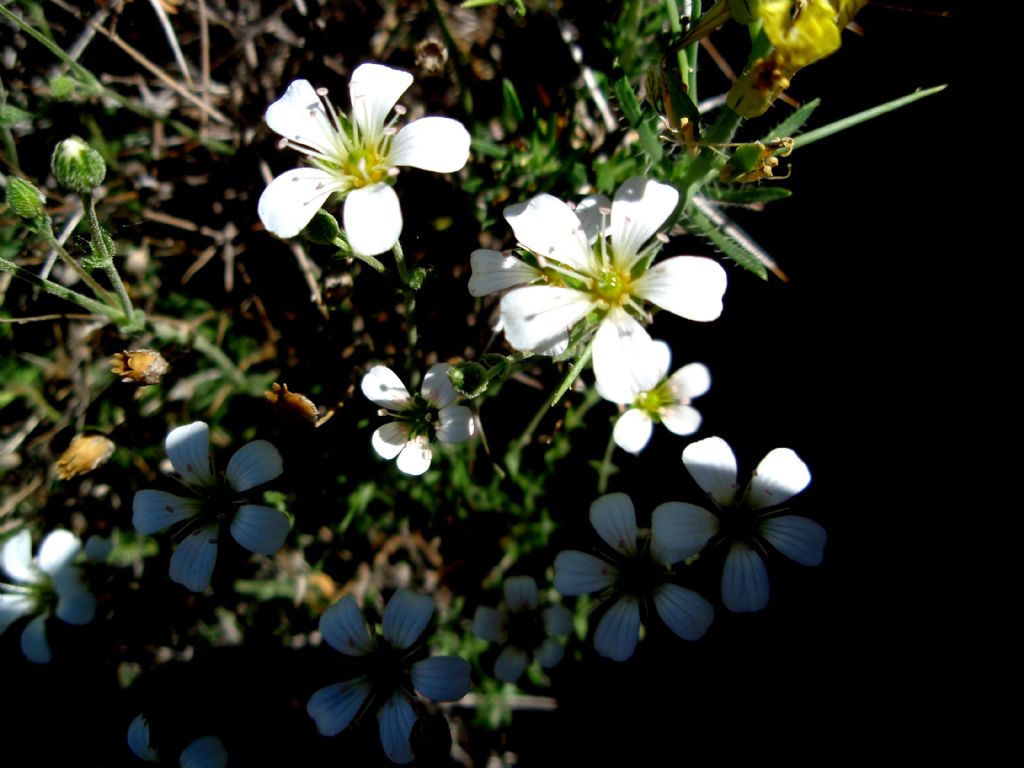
x: 322, y: 229
x: 77, y: 166
x: 24, y: 199
x: 469, y: 379
x: 62, y: 87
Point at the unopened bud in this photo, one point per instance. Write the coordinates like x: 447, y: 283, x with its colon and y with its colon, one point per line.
x: 322, y: 229
x: 24, y: 199
x: 62, y: 87
x: 77, y: 166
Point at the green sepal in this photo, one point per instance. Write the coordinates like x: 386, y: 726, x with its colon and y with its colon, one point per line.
x: 322, y: 229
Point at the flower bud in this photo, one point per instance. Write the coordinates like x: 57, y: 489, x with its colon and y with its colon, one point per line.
x: 139, y: 366
x: 62, y: 87
x: 77, y: 166
x: 24, y: 199
x: 322, y: 229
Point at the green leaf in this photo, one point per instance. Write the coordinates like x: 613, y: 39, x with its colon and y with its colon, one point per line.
x: 794, y: 122
x: 699, y: 224
x: 746, y: 194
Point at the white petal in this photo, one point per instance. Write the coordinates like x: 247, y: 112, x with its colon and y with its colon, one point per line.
x: 633, y: 430
x: 688, y: 286
x: 333, y: 707
x: 510, y: 664
x: 641, y: 206
x: 192, y: 562
x: 153, y: 511
x: 437, y: 144
x: 577, y: 573
x: 405, y: 617
x: 593, y: 212
x: 690, y: 381
x: 204, y: 752
x: 744, y: 580
x: 253, y: 464
x: 259, y: 529
x: 300, y: 117
x: 489, y: 624
x: 712, y: 464
x: 455, y: 424
x: 389, y: 440
x: 549, y: 653
x: 679, y: 531
x: 521, y: 593
x: 680, y: 419
x: 57, y: 550
x: 614, y: 519
x: 34, y: 644
x: 188, y: 448
x: 619, y: 629
x: 372, y: 219
x: 684, y: 612
x: 550, y: 228
x: 374, y: 90
x: 291, y: 200
x: 437, y: 388
x: 798, y: 538
x: 16, y: 557
x: 12, y: 608
x: 557, y: 620
x: 780, y: 476
x: 416, y: 456
x: 138, y: 740
x: 343, y: 627
x: 441, y: 678
x: 538, y: 317
x: 397, y: 719
x: 493, y: 271
x: 626, y: 360
x: 76, y: 606
x: 382, y: 386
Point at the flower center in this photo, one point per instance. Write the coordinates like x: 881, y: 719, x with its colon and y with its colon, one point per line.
x: 526, y: 629
x: 612, y: 286
x: 368, y: 164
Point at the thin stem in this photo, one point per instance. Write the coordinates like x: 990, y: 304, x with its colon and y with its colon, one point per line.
x: 721, y: 132
x: 691, y: 52
x: 369, y: 260
x: 99, y: 241
x: 409, y: 297
x: 456, y: 52
x: 570, y: 377
x: 101, y: 293
x: 56, y: 289
x: 606, y: 464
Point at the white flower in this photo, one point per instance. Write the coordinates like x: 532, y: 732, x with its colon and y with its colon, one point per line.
x: 204, y: 752
x: 387, y: 674
x: 216, y: 502
x: 744, y: 521
x: 355, y: 156
x: 654, y: 396
x: 524, y: 630
x: 576, y: 270
x: 633, y: 574
x: 44, y: 585
x: 419, y: 419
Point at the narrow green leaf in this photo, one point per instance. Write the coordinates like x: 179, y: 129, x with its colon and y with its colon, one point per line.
x: 627, y: 100
x: 794, y: 122
x: 698, y: 223
x: 747, y: 194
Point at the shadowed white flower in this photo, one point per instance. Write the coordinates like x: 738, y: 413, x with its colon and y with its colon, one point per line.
x: 356, y: 156
x: 634, y: 577
x: 742, y: 521
x: 204, y: 752
x: 524, y: 630
x: 48, y: 584
x: 216, y: 502
x: 419, y: 419
x: 391, y: 666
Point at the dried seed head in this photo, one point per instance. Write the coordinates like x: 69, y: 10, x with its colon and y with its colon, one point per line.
x: 292, y: 406
x: 139, y: 366
x: 85, y: 453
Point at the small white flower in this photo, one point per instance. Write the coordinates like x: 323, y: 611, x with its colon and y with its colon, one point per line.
x: 634, y: 574
x: 525, y: 631
x: 743, y: 521
x: 419, y: 419
x: 204, y: 752
x: 44, y: 585
x: 387, y: 673
x: 216, y: 502
x: 355, y: 156
x: 579, y: 264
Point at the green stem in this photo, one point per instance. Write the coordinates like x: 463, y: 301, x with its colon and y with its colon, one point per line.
x: 411, y: 334
x: 456, y: 53
x: 56, y: 289
x: 101, y: 293
x: 99, y: 241
x: 552, y: 401
x: 691, y: 53
x: 370, y: 260
x: 721, y: 132
x: 606, y: 464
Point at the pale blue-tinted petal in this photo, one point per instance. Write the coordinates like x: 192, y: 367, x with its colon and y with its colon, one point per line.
x: 684, y: 612
x: 34, y: 644
x: 300, y: 117
x: 521, y: 593
x: 510, y: 664
x: 633, y: 430
x: 389, y: 439
x: 441, y: 678
x: 259, y: 529
x: 253, y: 464
x: 99, y: 548
x: 12, y: 608
x: 538, y: 317
x: 333, y: 707
x: 549, y: 653
x: 437, y: 144
x: 343, y: 627
x: 397, y: 719
x: 619, y: 629
x: 437, y: 388
x: 16, y: 557
x: 138, y: 740
x: 455, y: 424
x: 690, y: 381
x: 372, y: 218
x: 557, y: 620
x: 416, y: 456
x: 744, y: 580
x: 57, y: 550
x: 640, y: 207
x: 192, y: 562
x: 594, y: 212
x: 780, y: 476
x: 550, y: 228
x: 204, y: 752
x: 798, y: 538
x: 374, y: 90
x: 382, y: 386
x: 680, y: 419
x: 188, y: 448
x: 712, y: 464
x: 291, y: 200
x: 76, y: 606
x: 405, y: 617
x: 153, y: 511
x: 614, y: 519
x: 493, y: 272
x: 577, y: 573
x: 626, y: 360
x: 679, y: 531
x: 489, y: 624
x: 688, y: 286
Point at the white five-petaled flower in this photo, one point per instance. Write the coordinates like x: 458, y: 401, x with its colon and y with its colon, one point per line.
x: 592, y: 260
x: 392, y: 665
x: 215, y: 501
x: 523, y: 628
x: 355, y: 156
x: 44, y: 585
x: 744, y: 521
x: 654, y: 396
x: 633, y: 575
x: 418, y: 418
x: 204, y: 752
